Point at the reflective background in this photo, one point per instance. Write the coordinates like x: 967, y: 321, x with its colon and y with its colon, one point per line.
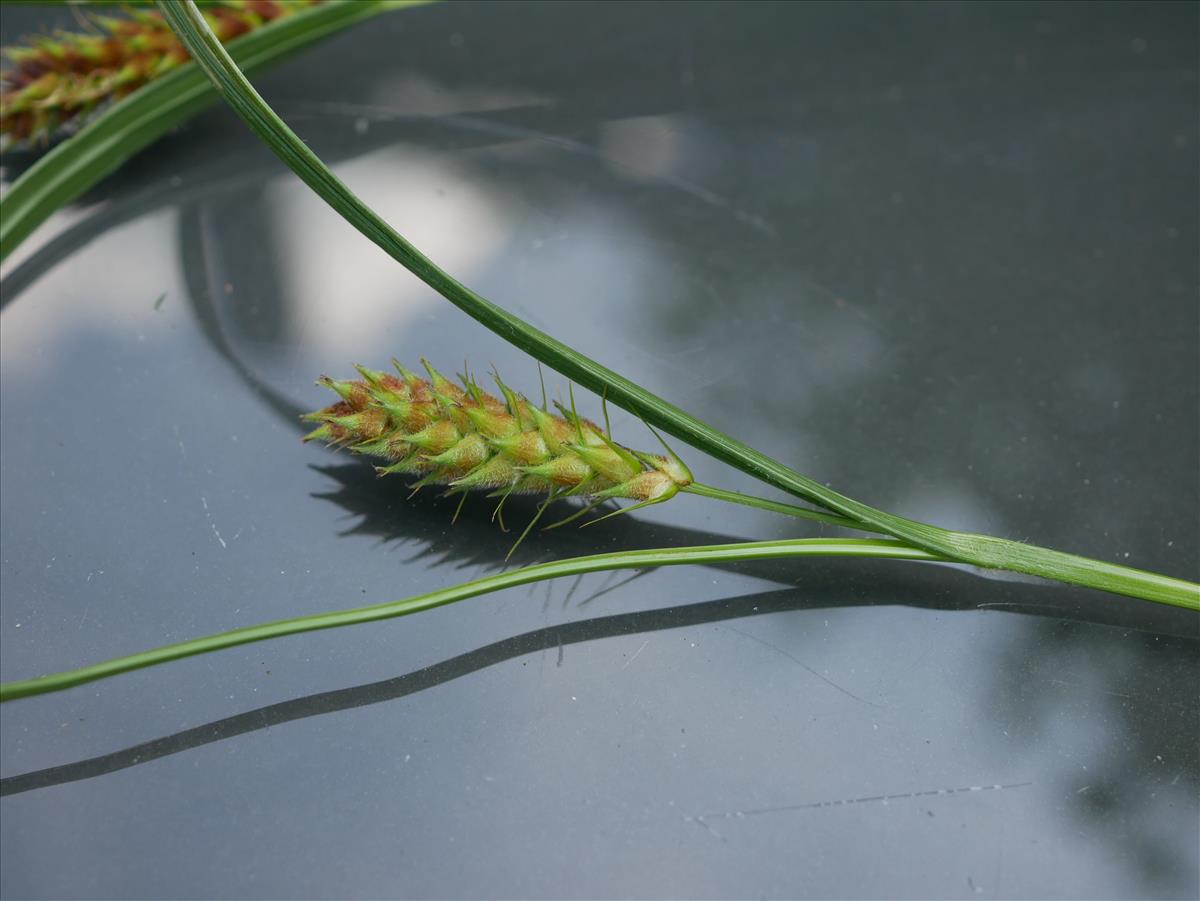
x: 942, y: 257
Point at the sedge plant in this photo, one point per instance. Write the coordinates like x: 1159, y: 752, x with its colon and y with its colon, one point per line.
x: 466, y: 439
x: 462, y: 438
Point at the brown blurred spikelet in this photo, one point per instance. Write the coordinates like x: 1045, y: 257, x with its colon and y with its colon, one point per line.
x: 53, y: 82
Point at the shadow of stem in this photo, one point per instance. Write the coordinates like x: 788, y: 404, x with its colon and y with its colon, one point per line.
x: 410, y: 683
x: 841, y: 584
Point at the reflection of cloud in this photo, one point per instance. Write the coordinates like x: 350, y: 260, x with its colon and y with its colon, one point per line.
x: 411, y: 94
x: 348, y: 295
x: 59, y: 222
x: 117, y: 303
x: 645, y: 146
x: 951, y: 503
x: 1123, y: 762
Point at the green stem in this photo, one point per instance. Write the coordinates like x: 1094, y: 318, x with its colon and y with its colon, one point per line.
x: 760, y: 503
x: 645, y: 559
x: 981, y: 550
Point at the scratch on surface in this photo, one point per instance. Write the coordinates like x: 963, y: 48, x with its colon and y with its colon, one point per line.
x: 212, y: 525
x: 883, y: 800
x: 707, y: 826
x: 635, y: 654
x: 804, y: 666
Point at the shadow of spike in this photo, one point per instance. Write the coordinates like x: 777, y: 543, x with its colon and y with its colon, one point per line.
x: 383, y: 509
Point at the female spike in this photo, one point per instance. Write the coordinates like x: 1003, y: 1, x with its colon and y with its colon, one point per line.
x: 469, y: 440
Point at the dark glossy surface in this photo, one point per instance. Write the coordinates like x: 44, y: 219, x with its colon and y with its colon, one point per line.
x: 943, y: 257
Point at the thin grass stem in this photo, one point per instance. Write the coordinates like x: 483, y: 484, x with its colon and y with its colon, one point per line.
x: 575, y: 566
x: 748, y: 500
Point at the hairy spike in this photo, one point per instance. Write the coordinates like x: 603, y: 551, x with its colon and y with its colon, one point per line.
x: 465, y: 439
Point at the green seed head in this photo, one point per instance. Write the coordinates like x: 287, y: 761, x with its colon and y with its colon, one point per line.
x: 467, y: 439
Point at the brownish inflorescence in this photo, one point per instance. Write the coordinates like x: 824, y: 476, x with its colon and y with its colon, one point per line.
x: 56, y: 80
x: 465, y: 439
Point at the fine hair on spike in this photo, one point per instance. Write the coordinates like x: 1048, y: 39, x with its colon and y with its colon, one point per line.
x: 467, y: 439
